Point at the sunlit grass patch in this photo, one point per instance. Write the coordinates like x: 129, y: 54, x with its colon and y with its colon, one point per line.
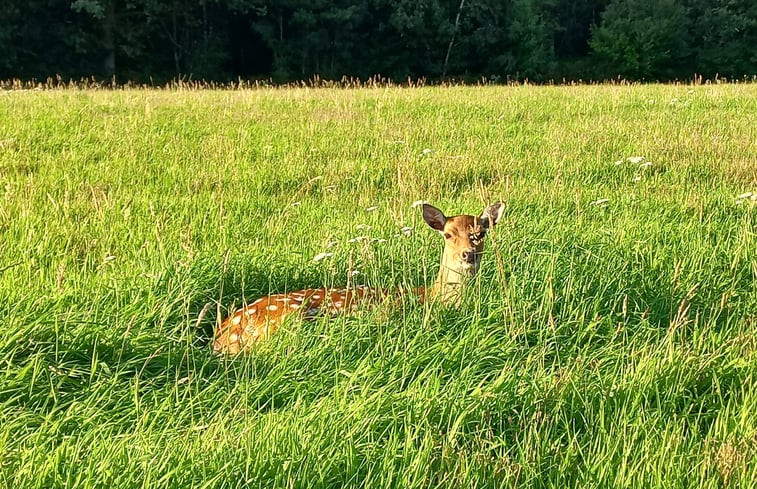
x: 608, y: 341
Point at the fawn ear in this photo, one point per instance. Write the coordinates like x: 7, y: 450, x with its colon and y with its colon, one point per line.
x: 434, y: 217
x: 491, y: 215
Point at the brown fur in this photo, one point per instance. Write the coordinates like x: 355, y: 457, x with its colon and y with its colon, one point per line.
x: 463, y: 245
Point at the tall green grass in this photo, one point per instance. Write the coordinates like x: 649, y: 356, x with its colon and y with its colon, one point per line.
x: 604, y: 344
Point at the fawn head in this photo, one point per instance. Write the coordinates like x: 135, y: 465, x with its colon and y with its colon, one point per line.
x: 463, y: 237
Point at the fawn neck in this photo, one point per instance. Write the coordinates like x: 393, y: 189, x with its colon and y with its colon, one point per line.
x: 449, y: 283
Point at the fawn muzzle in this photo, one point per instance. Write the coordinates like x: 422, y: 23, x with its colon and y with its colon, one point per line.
x: 469, y: 256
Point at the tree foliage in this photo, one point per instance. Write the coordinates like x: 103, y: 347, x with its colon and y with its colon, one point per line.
x: 157, y: 40
x: 642, y: 38
x: 724, y: 37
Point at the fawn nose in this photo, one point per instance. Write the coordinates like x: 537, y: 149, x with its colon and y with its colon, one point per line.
x: 468, y: 256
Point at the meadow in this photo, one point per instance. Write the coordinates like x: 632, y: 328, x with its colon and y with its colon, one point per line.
x: 609, y: 340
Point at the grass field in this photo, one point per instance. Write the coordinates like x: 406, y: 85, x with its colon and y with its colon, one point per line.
x: 606, y: 343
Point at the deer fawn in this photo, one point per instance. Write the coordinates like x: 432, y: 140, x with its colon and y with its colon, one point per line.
x: 463, y: 246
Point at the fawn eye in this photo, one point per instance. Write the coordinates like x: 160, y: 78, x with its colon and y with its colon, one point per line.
x: 447, y: 235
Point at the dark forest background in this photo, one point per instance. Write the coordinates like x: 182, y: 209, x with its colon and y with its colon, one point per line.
x: 285, y: 40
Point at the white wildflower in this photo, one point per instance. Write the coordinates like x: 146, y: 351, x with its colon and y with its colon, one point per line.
x: 354, y: 272
x: 426, y: 151
x: 407, y: 230
x: 322, y: 256
x: 371, y: 209
x: 599, y: 202
x: 619, y: 162
x: 378, y: 240
x: 357, y: 239
x: 635, y: 159
x: 690, y: 92
x: 362, y: 226
x: 747, y: 195
x: 332, y: 244
x: 637, y: 178
x: 646, y: 164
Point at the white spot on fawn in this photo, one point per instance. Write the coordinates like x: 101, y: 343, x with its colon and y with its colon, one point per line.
x: 316, y: 296
x: 237, y: 319
x: 251, y: 311
x: 272, y: 307
x: 294, y: 306
x: 233, y: 337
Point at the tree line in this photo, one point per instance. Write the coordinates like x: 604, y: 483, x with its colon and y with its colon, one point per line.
x: 286, y: 40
